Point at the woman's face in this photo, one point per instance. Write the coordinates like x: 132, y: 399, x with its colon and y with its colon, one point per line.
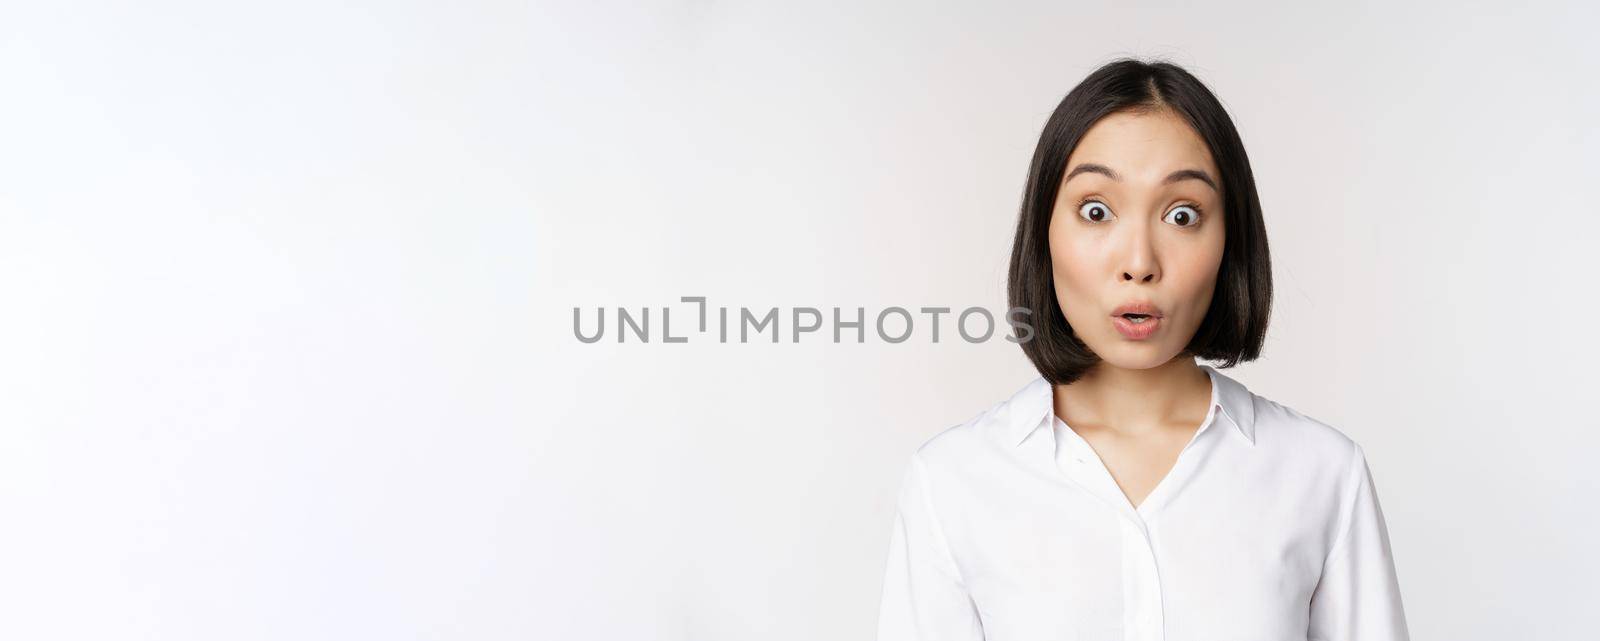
x: 1138, y: 219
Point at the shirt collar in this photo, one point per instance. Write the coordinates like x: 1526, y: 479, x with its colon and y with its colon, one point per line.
x: 1034, y: 403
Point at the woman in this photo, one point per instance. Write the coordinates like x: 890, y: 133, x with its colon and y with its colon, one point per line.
x: 1130, y: 492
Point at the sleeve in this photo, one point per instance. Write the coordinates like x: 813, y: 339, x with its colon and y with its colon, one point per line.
x: 1358, y: 596
x: 924, y: 598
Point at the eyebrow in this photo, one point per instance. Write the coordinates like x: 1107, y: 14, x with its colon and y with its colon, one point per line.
x: 1176, y: 176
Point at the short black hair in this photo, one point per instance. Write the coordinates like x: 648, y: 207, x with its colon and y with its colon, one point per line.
x: 1235, y: 326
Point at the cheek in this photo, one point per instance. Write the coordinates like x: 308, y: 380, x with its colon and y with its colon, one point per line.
x: 1195, y: 278
x: 1075, y: 266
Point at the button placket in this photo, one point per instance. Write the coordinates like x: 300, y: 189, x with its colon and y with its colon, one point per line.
x: 1143, y: 616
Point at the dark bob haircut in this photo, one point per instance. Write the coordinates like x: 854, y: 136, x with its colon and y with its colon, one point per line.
x: 1235, y: 326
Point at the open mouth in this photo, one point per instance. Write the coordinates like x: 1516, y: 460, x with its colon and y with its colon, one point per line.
x: 1137, y: 318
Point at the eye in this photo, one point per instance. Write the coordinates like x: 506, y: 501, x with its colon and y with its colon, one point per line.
x: 1183, y: 216
x: 1094, y: 211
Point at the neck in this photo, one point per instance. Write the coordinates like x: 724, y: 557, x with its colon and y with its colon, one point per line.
x: 1135, y: 401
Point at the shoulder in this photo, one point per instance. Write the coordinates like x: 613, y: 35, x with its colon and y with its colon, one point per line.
x: 965, y: 463
x: 989, y: 436
x: 1294, y: 438
x: 950, y: 443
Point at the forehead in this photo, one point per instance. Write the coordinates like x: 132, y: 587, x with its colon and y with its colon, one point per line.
x: 1143, y: 146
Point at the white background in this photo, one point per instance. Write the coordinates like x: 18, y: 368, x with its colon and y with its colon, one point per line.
x: 287, y: 351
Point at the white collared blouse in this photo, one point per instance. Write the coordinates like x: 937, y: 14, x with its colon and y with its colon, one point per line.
x: 1010, y: 528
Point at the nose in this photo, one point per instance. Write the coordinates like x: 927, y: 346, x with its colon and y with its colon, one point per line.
x: 1139, y: 260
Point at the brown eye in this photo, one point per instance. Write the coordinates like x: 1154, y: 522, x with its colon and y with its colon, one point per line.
x: 1183, y: 216
x: 1094, y: 211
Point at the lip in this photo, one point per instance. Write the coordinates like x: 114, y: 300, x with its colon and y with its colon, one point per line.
x: 1137, y: 331
x: 1138, y: 307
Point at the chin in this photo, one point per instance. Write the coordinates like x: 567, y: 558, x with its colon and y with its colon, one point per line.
x: 1135, y: 355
